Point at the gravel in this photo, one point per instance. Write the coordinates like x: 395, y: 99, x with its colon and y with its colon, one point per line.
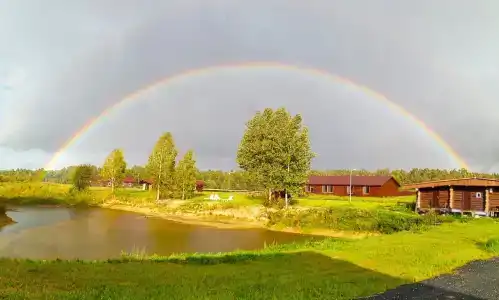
x: 476, y: 280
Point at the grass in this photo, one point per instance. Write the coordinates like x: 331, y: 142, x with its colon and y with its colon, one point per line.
x: 323, y: 213
x: 492, y: 245
x: 317, y: 269
x: 327, y: 269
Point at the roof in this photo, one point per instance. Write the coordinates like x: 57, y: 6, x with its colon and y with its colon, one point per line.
x: 129, y: 180
x: 481, y: 182
x: 345, y: 180
x: 150, y: 181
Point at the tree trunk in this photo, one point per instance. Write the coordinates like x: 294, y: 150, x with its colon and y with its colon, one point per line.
x: 157, y: 193
x: 183, y: 193
x: 270, y: 195
x: 286, y: 197
x: 112, y: 185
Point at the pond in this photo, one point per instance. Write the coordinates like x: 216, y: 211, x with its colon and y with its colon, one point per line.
x: 98, y: 233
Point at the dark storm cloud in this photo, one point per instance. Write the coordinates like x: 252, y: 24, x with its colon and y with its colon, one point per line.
x: 428, y: 56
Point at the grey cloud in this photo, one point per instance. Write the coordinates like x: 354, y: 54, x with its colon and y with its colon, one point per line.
x: 431, y: 57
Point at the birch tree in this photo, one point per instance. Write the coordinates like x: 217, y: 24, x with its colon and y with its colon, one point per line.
x: 186, y: 175
x: 161, y: 165
x: 275, y: 150
x: 114, y: 168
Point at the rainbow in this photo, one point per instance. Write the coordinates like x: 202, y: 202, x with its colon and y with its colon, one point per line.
x: 259, y: 65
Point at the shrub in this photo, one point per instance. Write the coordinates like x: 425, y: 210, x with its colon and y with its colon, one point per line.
x: 492, y: 245
x: 82, y: 176
x: 352, y: 219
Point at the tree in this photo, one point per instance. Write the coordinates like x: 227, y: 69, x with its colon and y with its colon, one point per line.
x: 137, y: 172
x: 161, y: 165
x: 186, y: 175
x: 114, y: 168
x: 275, y: 151
x: 82, y: 177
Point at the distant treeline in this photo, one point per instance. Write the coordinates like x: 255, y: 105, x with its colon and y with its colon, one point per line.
x: 240, y: 180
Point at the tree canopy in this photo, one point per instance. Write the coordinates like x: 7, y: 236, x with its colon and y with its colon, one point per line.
x: 114, y: 168
x: 275, y: 150
x: 82, y: 177
x: 161, y: 165
x: 186, y: 175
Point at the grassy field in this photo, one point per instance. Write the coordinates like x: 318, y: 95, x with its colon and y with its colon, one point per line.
x: 325, y: 269
x: 329, y: 269
x: 58, y: 193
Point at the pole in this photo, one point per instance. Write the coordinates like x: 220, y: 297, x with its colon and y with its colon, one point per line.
x: 350, y: 190
x: 351, y: 185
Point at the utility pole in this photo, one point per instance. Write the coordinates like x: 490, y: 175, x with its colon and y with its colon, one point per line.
x: 350, y: 190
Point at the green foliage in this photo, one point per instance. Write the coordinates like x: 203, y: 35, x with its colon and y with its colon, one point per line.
x: 492, y: 245
x: 137, y: 172
x: 114, y: 168
x: 353, y: 219
x: 185, y: 175
x: 82, y: 177
x: 161, y: 165
x: 275, y: 151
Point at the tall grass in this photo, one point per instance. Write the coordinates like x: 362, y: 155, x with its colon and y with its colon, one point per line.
x: 353, y: 219
x: 492, y: 245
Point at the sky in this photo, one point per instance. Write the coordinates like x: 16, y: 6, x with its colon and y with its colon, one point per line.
x: 63, y: 62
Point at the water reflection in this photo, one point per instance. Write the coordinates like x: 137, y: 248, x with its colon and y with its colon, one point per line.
x: 95, y: 233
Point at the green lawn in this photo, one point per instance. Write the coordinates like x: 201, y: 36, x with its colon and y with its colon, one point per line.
x: 330, y: 269
x: 56, y: 193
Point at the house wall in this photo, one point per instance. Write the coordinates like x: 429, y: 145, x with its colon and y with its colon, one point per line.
x: 390, y: 188
x: 477, y: 204
x: 427, y: 198
x: 494, y: 199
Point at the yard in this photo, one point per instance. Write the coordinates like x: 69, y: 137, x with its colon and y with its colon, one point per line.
x: 328, y: 269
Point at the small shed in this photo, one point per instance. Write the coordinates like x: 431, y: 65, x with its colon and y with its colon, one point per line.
x: 146, y: 184
x: 465, y: 195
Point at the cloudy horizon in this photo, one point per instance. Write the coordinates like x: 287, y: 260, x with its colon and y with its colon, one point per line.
x: 62, y: 63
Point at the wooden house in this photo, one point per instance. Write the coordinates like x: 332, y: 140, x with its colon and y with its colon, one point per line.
x: 466, y: 195
x: 366, y: 186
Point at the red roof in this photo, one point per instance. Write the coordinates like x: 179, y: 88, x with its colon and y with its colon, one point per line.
x: 345, y: 180
x: 129, y: 180
x: 150, y: 181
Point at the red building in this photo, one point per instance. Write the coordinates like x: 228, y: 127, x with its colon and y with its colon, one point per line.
x: 147, y: 184
x: 374, y: 186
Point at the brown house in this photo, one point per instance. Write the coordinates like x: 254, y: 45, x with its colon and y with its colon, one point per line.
x: 374, y: 186
x: 466, y: 195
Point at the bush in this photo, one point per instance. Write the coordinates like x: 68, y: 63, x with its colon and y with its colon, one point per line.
x: 353, y: 219
x: 82, y: 176
x: 492, y: 245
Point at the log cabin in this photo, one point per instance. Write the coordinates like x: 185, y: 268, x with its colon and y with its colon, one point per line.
x: 366, y: 186
x: 478, y: 196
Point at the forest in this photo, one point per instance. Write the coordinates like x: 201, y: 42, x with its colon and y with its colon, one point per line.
x: 240, y: 180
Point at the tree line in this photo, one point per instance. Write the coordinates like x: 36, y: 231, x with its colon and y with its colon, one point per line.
x: 240, y: 180
x: 274, y: 155
x: 170, y: 178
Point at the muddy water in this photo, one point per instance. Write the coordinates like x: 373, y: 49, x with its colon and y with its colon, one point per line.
x: 97, y: 233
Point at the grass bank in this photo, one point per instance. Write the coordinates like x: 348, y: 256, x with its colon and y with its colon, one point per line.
x: 328, y: 269
x: 330, y: 215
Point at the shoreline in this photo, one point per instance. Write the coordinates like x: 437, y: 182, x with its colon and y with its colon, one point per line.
x: 231, y: 223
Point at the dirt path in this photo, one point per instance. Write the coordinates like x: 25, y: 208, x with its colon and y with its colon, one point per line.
x: 476, y: 280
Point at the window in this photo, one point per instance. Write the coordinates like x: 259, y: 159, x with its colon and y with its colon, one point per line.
x: 366, y: 190
x: 310, y: 189
x: 348, y: 190
x: 327, y: 189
